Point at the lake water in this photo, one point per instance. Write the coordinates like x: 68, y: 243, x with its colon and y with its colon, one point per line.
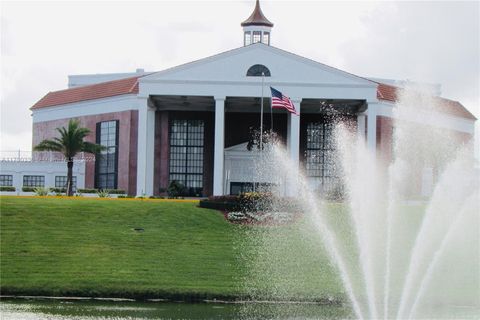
x: 102, y: 310
x: 96, y: 310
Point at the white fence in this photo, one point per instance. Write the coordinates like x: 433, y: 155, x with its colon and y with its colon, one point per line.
x: 41, y: 156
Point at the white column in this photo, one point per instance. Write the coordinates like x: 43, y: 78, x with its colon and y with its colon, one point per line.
x: 50, y: 177
x: 218, y: 162
x: 80, y: 173
x: 145, y: 148
x: 361, y: 126
x: 372, y: 128
x: 293, y: 146
x: 293, y: 133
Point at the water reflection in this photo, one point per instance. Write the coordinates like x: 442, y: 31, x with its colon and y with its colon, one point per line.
x: 82, y: 310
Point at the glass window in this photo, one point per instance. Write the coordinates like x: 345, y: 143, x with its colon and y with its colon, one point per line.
x: 34, y: 181
x: 257, y: 36
x: 266, y: 38
x: 320, y: 153
x: 243, y: 187
x: 257, y: 70
x: 61, y: 182
x: 186, y: 154
x: 106, y: 164
x: 6, y: 180
x: 248, y: 38
x: 237, y: 188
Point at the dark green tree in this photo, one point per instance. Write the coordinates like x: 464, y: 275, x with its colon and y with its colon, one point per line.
x: 69, y: 144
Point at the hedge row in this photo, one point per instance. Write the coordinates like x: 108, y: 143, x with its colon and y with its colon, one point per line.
x: 223, y: 203
x: 250, y: 202
x: 7, y: 188
x: 62, y: 190
x: 110, y: 191
x: 56, y: 190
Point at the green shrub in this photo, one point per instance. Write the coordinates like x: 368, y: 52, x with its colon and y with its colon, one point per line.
x: 7, y: 188
x: 125, y: 196
x: 58, y: 190
x: 87, y: 190
x: 251, y: 202
x: 117, y: 191
x: 93, y: 190
x: 162, y: 197
x: 175, y: 189
x: 28, y: 189
x: 336, y: 193
x: 256, y: 201
x: 224, y: 203
x: 103, y: 193
x: 41, y: 191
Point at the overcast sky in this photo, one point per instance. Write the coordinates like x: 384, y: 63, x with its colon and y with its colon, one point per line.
x: 43, y: 42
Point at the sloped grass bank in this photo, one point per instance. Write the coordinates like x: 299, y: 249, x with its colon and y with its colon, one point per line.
x: 135, y: 249
x: 98, y: 248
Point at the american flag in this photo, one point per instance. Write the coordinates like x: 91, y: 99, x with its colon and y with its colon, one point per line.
x: 279, y: 101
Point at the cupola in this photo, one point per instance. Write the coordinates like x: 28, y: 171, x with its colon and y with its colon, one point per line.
x: 257, y: 28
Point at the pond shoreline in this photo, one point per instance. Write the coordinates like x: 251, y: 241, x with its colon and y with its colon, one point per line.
x: 331, y: 302
x: 79, y: 309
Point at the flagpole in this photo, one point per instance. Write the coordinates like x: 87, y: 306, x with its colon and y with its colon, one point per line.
x: 271, y: 115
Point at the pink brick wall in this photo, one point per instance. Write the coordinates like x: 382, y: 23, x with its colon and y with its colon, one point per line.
x: 162, y: 150
x: 384, y: 139
x: 127, y: 149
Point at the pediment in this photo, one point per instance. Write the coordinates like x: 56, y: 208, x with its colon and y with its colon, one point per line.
x: 285, y: 67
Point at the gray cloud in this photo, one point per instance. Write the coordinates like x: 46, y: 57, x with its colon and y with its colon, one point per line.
x: 422, y: 41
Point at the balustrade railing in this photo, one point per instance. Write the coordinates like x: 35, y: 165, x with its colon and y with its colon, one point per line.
x: 41, y: 156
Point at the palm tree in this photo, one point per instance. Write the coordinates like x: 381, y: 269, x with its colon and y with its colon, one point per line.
x: 69, y: 144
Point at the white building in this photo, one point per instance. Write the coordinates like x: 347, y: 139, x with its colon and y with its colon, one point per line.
x: 185, y: 123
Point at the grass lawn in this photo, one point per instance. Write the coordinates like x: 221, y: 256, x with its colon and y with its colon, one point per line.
x: 88, y: 247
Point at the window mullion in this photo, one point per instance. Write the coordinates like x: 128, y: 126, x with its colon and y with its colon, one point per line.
x: 187, y: 140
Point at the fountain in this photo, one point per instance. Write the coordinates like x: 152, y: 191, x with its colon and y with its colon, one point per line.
x: 397, y: 253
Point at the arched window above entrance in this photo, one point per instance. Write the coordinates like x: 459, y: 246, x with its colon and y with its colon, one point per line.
x: 257, y: 70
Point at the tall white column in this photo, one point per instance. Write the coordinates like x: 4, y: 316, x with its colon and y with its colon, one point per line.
x: 293, y: 133
x: 361, y: 126
x: 145, y: 147
x: 218, y: 159
x: 372, y: 128
x: 293, y: 146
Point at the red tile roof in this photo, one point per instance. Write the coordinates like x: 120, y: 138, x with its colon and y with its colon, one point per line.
x: 390, y: 93
x: 130, y: 86
x: 89, y: 92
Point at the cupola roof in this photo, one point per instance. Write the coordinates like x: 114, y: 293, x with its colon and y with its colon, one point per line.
x: 257, y: 18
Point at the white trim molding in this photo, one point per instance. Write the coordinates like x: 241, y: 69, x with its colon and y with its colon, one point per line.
x: 86, y: 108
